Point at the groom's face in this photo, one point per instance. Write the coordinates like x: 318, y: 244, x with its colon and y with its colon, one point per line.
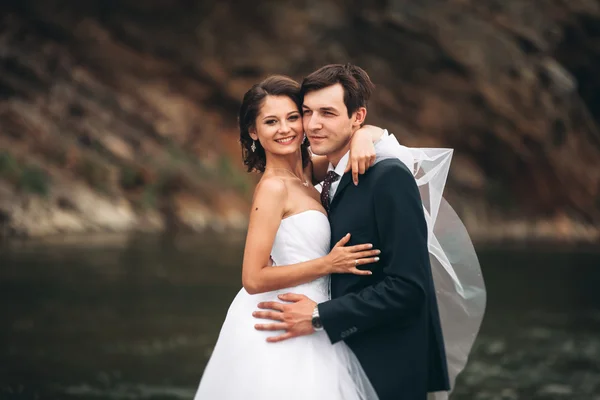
x: 326, y: 121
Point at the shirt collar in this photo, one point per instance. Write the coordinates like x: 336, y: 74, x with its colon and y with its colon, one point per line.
x: 341, y: 166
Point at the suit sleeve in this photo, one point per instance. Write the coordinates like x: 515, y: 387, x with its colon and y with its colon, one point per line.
x: 402, y: 234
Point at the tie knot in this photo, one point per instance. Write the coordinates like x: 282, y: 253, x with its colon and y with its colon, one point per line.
x: 331, y: 176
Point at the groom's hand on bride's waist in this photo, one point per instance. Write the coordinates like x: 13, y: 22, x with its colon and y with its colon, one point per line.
x: 295, y: 318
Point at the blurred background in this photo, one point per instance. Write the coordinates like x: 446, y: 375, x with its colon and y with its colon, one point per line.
x: 123, y: 198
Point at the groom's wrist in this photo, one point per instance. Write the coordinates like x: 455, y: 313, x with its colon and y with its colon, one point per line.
x: 316, y: 319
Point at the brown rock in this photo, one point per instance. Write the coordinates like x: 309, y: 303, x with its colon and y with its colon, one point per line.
x: 512, y: 87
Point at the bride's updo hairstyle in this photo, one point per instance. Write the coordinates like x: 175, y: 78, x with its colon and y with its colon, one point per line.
x: 276, y: 85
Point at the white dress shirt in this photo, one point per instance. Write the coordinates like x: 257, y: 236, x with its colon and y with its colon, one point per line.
x: 386, y: 147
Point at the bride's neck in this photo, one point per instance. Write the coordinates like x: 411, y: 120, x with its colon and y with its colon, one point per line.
x: 292, y: 163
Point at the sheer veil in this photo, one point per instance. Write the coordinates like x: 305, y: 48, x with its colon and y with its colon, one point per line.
x: 460, y: 289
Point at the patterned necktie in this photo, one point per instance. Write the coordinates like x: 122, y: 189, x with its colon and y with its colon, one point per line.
x: 331, y: 177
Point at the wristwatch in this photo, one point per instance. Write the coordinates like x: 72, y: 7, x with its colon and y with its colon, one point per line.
x: 316, y: 320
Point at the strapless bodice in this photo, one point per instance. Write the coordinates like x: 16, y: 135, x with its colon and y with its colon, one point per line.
x: 302, y: 237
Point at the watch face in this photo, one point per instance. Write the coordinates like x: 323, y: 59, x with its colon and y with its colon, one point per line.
x: 316, y: 323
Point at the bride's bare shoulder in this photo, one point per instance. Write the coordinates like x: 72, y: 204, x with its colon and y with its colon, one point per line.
x: 273, y: 187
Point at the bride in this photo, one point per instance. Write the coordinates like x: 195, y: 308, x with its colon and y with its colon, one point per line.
x: 289, y: 228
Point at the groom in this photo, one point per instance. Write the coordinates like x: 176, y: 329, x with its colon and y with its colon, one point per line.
x: 389, y: 319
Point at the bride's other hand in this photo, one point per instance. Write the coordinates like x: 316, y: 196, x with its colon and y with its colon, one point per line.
x: 345, y: 260
x: 362, y: 150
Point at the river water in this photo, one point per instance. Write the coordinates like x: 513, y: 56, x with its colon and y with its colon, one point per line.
x: 108, y: 318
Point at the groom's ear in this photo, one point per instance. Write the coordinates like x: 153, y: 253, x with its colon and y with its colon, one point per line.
x: 359, y: 116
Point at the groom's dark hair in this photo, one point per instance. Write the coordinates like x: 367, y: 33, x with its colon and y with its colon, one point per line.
x: 355, y: 81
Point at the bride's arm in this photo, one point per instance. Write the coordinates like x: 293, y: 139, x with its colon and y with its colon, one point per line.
x: 265, y: 218
x: 362, y: 154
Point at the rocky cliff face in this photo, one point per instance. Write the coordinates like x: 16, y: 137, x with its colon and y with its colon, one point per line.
x: 129, y: 107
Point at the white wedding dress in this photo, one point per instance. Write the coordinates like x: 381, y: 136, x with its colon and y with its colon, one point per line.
x: 244, y: 366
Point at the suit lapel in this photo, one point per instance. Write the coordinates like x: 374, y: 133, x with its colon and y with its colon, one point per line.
x: 346, y: 179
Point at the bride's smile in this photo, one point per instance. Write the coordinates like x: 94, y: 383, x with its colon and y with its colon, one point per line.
x: 286, y: 141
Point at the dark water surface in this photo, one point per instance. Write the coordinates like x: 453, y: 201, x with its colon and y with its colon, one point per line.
x: 113, y: 319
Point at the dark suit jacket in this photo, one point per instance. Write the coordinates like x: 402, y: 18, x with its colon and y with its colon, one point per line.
x: 389, y: 319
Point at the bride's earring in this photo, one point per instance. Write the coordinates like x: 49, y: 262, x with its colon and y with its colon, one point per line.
x: 253, y: 147
x: 304, y: 140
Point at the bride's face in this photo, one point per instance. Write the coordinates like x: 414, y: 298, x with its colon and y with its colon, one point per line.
x: 278, y: 126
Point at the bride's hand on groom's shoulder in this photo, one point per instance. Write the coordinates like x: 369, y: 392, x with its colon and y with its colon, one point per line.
x: 344, y: 259
x: 362, y: 153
